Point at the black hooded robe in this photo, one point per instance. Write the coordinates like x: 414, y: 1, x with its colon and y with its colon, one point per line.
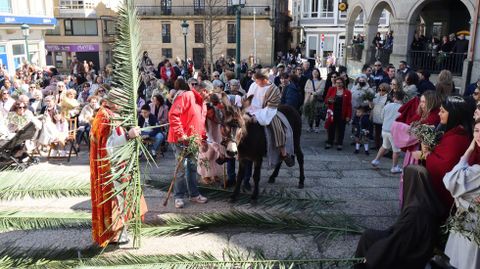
x: 409, y: 242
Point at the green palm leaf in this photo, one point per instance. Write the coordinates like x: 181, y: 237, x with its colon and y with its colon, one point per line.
x: 16, y: 220
x: 282, y: 199
x: 274, y: 223
x: 124, y: 162
x: 34, y: 184
x: 53, y: 258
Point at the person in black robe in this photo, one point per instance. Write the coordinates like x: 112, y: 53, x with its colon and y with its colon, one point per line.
x: 410, y: 241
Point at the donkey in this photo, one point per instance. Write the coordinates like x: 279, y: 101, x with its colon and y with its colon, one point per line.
x: 244, y: 137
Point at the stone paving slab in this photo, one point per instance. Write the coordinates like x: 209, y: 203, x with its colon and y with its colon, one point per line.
x: 371, y: 200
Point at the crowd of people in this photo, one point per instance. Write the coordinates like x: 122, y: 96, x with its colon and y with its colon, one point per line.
x: 382, y: 104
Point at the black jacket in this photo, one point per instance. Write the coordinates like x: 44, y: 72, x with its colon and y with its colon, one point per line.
x: 425, y: 85
x: 152, y: 121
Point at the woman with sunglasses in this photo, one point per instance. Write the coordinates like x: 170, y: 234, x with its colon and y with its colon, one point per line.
x: 18, y: 118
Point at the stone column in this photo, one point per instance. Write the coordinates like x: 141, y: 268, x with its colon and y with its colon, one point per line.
x: 371, y: 30
x: 403, y: 33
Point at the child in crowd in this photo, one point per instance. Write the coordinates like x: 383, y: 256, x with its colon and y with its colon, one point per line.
x: 390, y: 113
x: 362, y: 127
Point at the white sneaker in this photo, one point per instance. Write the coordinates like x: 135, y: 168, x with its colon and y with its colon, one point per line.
x: 317, y: 130
x: 310, y: 130
x: 199, y: 199
x: 179, y: 203
x: 375, y: 163
x: 53, y: 153
x: 396, y: 170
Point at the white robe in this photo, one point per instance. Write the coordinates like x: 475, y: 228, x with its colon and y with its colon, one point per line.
x: 263, y: 115
x: 463, y: 182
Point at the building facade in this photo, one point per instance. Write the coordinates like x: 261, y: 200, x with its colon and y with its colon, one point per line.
x: 430, y: 18
x: 211, y: 29
x: 85, y: 30
x: 321, y: 26
x: 38, y: 15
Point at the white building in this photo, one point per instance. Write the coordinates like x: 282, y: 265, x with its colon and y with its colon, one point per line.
x: 323, y: 27
x: 38, y: 15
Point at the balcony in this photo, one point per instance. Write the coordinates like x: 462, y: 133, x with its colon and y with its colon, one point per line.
x: 65, y: 12
x: 200, y: 10
x: 434, y: 61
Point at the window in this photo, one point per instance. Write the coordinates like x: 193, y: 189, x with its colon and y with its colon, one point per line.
x: 306, y: 6
x: 166, y: 7
x: 5, y: 6
x: 231, y: 34
x: 315, y: 8
x: 199, y: 33
x: 25, y: 6
x: 166, y: 38
x: 109, y: 27
x: 199, y: 7
x: 19, y: 54
x: 231, y: 53
x: 167, y: 53
x: 54, y: 31
x: 38, y: 7
x: 230, y: 8
x: 198, y: 57
x: 327, y: 9
x: 78, y: 4
x: 81, y: 27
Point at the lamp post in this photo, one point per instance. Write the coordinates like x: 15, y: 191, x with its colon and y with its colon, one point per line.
x: 185, y: 33
x: 238, y: 4
x: 26, y: 32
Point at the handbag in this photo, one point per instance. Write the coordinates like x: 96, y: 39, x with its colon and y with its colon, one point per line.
x: 328, y: 118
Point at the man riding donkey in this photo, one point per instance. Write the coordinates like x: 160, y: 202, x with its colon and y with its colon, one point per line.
x: 265, y: 98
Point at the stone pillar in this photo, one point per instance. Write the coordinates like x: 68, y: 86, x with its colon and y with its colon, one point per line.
x: 348, y: 43
x: 369, y: 51
x: 403, y: 33
x: 476, y: 54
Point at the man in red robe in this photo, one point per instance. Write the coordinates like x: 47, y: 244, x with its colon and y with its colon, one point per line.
x: 108, y: 216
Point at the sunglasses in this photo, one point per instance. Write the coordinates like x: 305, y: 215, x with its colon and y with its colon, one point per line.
x: 334, y: 77
x: 21, y: 107
x: 194, y: 84
x: 101, y: 91
x: 476, y: 93
x: 382, y: 90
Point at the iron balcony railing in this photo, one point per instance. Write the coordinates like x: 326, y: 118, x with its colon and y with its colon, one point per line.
x: 434, y: 62
x: 201, y: 10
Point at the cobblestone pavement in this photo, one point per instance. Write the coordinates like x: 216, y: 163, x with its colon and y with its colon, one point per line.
x: 370, y: 198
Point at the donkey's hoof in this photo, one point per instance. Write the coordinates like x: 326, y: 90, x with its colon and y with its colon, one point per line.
x: 300, y: 185
x: 271, y: 180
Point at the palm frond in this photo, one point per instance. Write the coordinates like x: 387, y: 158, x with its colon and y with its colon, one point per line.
x: 232, y: 259
x: 282, y: 199
x: 16, y: 220
x: 273, y: 223
x: 125, y: 160
x: 74, y: 258
x: 52, y: 258
x: 34, y: 184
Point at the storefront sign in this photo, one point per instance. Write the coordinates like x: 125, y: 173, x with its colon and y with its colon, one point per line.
x: 73, y: 48
x: 27, y: 20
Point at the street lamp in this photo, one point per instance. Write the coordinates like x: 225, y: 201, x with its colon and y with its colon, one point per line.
x: 238, y: 4
x: 26, y: 32
x: 185, y: 33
